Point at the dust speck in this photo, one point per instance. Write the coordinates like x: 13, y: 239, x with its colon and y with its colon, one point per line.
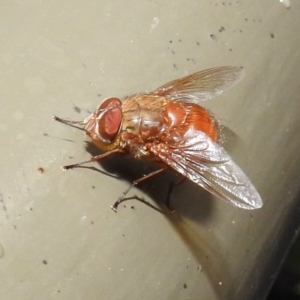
x: 41, y: 170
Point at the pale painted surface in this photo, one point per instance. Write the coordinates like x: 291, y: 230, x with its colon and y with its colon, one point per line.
x: 58, y: 237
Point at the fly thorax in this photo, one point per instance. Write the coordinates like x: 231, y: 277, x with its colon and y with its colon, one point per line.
x: 151, y: 125
x: 131, y: 122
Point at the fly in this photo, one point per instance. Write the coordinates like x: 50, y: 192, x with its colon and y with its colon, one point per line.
x: 170, y: 126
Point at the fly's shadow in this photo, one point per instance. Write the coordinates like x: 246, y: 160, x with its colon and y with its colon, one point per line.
x: 183, y: 196
x: 189, y: 201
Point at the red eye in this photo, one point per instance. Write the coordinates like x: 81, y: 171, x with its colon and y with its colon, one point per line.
x: 110, y: 120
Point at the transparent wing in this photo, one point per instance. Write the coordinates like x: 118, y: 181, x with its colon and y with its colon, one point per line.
x: 202, y: 85
x: 209, y: 166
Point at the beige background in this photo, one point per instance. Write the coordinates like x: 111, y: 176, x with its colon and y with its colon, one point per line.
x: 58, y: 237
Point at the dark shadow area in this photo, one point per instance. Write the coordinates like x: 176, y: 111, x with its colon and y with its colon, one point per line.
x: 271, y: 260
x: 192, y: 205
x: 228, y: 139
x: 186, y: 198
x: 204, y: 247
x: 287, y: 284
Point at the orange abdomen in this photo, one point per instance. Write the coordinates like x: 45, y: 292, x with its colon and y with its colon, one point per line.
x: 182, y: 116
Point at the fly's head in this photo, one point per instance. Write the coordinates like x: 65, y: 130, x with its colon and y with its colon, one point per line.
x: 103, y: 126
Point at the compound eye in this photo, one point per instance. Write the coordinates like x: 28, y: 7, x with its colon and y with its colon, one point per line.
x: 111, y: 119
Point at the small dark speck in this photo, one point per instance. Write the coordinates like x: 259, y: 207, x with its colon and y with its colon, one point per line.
x: 222, y: 29
x: 123, y: 234
x: 14, y: 227
x: 188, y: 59
x: 171, y: 42
x: 132, y: 207
x: 93, y: 187
x: 246, y: 19
x: 272, y: 35
x: 174, y: 65
x: 92, y: 222
x: 179, y: 40
x: 241, y: 30
x: 223, y: 3
x: 31, y: 209
x: 40, y: 170
x: 198, y: 44
x: 173, y: 51
x: 212, y: 36
x: 45, y: 262
x: 99, y: 95
x: 45, y: 134
x: 185, y: 286
x: 124, y: 206
x: 58, y: 291
x: 77, y: 109
x: 67, y: 140
x: 187, y: 267
x: 230, y: 50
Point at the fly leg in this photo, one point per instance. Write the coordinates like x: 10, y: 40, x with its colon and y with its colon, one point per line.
x: 121, y: 198
x: 142, y: 200
x: 93, y: 158
x: 170, y: 208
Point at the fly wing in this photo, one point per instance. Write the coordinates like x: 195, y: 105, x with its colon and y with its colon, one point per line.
x: 201, y: 85
x: 208, y: 165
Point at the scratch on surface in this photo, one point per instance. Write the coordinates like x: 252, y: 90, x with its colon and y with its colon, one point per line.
x: 25, y: 179
x: 54, y: 137
x: 76, y: 108
x: 3, y: 205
